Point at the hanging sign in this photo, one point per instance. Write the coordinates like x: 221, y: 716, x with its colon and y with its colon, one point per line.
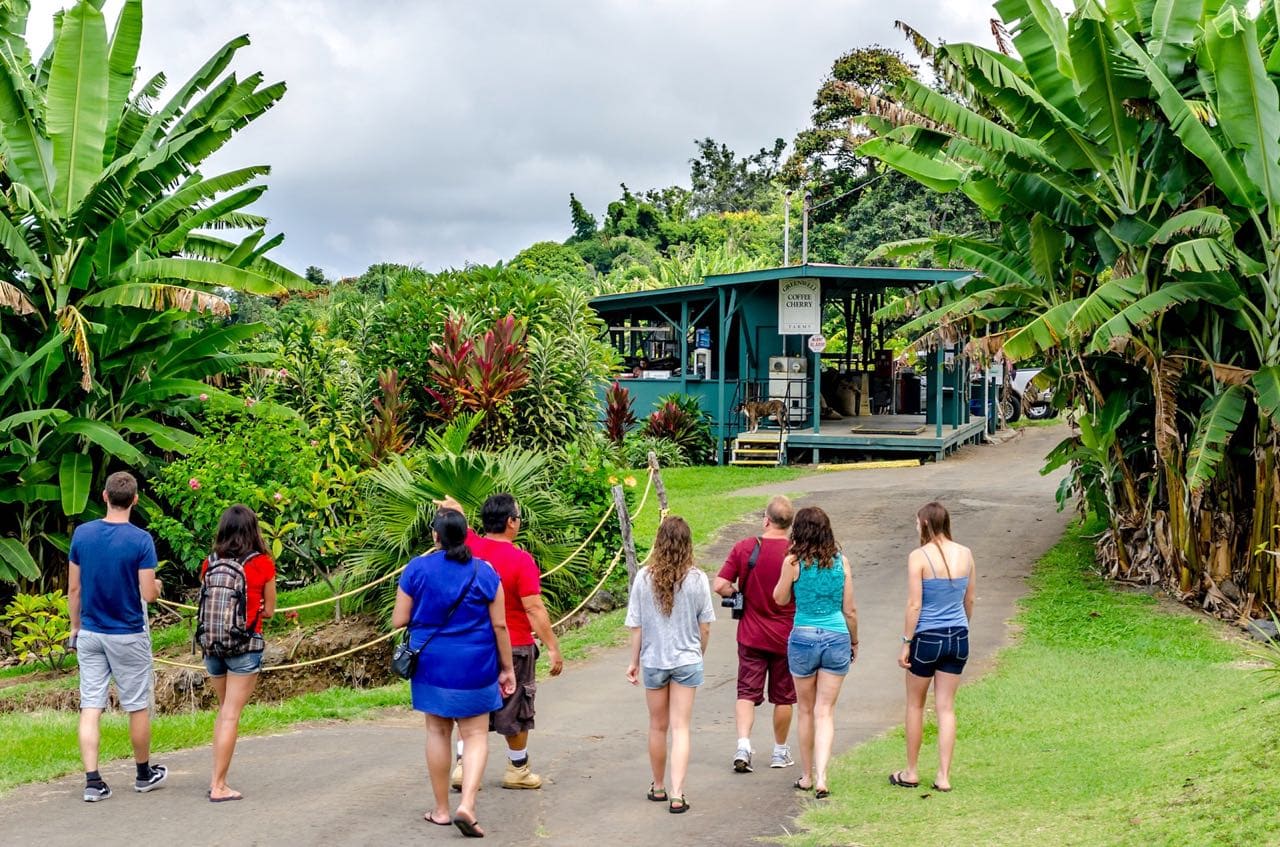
x: 817, y: 343
x: 799, y: 307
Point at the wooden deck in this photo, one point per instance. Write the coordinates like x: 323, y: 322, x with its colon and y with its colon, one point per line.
x: 900, y: 435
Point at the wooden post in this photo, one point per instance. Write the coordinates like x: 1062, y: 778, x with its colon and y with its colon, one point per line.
x: 628, y: 539
x: 655, y: 470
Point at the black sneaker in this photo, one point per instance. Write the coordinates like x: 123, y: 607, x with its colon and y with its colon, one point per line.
x: 159, y: 773
x: 94, y: 793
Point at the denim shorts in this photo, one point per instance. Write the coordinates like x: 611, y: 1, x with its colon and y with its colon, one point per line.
x: 810, y: 649
x: 242, y: 665
x: 689, y: 676
x: 944, y: 650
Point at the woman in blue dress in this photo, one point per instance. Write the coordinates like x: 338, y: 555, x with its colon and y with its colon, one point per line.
x: 453, y: 605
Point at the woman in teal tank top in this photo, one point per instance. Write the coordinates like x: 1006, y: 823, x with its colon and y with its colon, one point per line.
x: 824, y: 639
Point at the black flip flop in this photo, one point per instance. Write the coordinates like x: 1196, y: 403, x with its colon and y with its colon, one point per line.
x: 895, y: 778
x: 659, y: 796
x: 471, y: 829
x: 678, y: 810
x: 798, y: 787
x: 937, y: 787
x: 821, y: 794
x: 429, y: 819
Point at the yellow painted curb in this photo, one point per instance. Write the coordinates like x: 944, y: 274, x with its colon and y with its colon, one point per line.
x: 885, y: 463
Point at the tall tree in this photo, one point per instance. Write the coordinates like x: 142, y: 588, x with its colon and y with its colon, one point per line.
x: 722, y: 182
x: 111, y: 276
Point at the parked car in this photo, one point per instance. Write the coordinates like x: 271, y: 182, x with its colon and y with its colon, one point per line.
x: 1036, y: 401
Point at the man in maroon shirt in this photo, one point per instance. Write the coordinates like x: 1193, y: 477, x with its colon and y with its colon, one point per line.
x: 526, y: 615
x: 753, y: 567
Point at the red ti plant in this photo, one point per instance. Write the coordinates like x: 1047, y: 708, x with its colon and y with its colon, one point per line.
x: 618, y: 417
x: 479, y: 375
x: 388, y: 431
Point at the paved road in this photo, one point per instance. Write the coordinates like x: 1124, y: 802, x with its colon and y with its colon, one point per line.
x: 364, y: 783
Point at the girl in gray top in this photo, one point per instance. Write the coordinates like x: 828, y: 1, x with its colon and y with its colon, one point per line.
x: 669, y: 613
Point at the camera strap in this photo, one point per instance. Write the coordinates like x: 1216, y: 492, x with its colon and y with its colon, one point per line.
x: 751, y: 564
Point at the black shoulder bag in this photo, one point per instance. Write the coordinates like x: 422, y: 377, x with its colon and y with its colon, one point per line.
x: 404, y: 659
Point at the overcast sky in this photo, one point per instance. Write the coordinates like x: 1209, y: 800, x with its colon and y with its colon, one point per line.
x: 452, y: 131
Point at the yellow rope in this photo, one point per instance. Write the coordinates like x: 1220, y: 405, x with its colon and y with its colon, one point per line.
x: 294, y: 665
x: 327, y: 600
x: 585, y: 541
x: 616, y: 557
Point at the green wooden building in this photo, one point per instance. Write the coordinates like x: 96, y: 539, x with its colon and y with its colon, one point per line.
x: 757, y: 336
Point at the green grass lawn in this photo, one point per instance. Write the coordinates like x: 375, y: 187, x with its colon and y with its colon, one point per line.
x: 1113, y: 721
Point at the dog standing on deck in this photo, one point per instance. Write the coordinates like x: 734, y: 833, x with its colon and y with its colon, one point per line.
x: 758, y: 410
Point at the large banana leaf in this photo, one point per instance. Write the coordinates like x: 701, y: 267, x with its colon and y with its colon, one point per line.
x: 1103, y: 90
x: 121, y: 63
x: 1229, y: 177
x: 26, y: 151
x: 1164, y: 298
x: 1266, y: 383
x: 1206, y: 221
x: 969, y: 124
x: 1218, y: 422
x: 1248, y: 105
x: 77, y: 104
x: 927, y: 170
x: 194, y: 270
x: 16, y: 561
x: 102, y: 435
x: 1173, y: 32
x: 1040, y: 35
x: 75, y: 477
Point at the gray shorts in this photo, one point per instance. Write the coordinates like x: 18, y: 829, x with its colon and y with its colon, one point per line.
x: 124, y: 658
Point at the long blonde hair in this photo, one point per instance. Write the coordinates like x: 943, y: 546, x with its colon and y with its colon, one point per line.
x: 671, y: 561
x: 935, y: 524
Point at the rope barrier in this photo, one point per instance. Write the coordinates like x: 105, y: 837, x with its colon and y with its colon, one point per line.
x: 295, y: 665
x: 585, y: 542
x: 644, y: 498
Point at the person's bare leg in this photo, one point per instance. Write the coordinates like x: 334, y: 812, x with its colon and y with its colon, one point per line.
x: 475, y: 752
x: 140, y: 734
x: 439, y: 760
x: 236, y: 690
x: 781, y: 723
x: 744, y: 714
x: 90, y: 736
x: 944, y: 701
x: 824, y: 724
x: 917, y: 691
x: 659, y: 703
x: 806, y: 689
x: 681, y: 718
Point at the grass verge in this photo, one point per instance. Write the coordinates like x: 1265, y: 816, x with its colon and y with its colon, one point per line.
x: 42, y: 745
x: 1111, y: 722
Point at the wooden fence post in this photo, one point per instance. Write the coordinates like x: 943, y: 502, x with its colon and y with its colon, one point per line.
x: 628, y: 539
x: 655, y: 470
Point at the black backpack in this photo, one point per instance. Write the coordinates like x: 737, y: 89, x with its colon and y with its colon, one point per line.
x: 221, y: 625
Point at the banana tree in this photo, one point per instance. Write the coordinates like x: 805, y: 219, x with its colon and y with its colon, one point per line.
x: 114, y: 263
x: 1131, y: 152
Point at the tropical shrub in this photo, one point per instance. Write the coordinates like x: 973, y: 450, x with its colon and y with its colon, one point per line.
x: 388, y: 430
x: 479, y: 375
x: 111, y: 285
x: 41, y: 625
x: 399, y: 503
x: 1132, y: 159
x: 305, y: 498
x: 679, y: 418
x: 637, y: 446
x: 618, y: 414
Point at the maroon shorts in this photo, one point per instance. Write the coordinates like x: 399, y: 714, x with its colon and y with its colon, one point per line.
x: 753, y: 666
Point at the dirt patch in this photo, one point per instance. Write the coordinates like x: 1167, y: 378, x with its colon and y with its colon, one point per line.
x: 187, y: 689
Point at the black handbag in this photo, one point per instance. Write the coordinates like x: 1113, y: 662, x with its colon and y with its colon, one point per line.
x: 404, y: 659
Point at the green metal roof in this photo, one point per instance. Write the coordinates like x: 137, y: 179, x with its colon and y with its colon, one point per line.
x: 853, y: 276
x: 890, y: 276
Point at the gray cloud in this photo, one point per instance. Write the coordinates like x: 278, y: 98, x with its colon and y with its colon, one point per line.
x: 450, y: 131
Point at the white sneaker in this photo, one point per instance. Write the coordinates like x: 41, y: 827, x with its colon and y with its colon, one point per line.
x: 742, y: 760
x: 781, y: 758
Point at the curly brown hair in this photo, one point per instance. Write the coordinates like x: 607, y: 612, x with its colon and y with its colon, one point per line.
x: 812, y: 541
x: 671, y: 561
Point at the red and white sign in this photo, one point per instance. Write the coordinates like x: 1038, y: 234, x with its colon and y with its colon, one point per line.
x: 817, y: 343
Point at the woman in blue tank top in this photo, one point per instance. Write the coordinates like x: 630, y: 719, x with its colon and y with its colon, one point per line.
x: 824, y: 638
x: 935, y: 638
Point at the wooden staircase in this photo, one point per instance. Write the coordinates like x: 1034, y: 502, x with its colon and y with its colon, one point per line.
x: 762, y: 447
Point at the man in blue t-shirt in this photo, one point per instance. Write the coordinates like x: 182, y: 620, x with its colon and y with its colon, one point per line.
x: 111, y: 576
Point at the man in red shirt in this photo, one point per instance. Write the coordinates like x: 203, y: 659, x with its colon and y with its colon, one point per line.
x: 526, y: 615
x: 753, y: 567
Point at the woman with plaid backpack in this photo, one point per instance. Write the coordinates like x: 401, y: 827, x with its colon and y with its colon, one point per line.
x: 237, y: 592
